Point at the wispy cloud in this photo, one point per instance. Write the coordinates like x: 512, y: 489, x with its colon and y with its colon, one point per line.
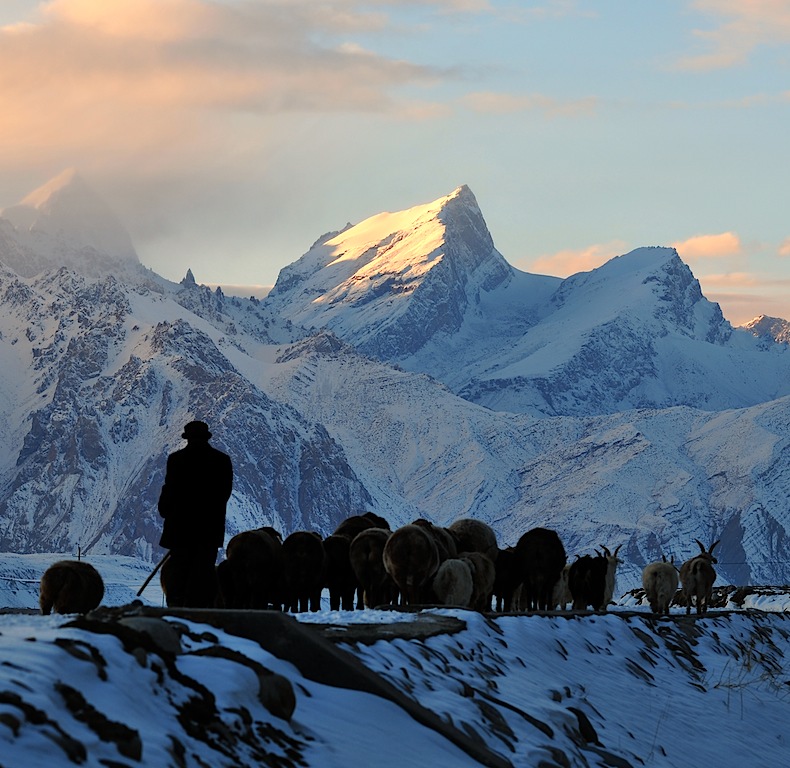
x: 739, y: 308
x: 739, y: 27
x: 709, y: 246
x: 784, y: 248
x: 136, y: 74
x: 489, y: 102
x: 746, y: 295
x: 732, y: 280
x: 569, y: 262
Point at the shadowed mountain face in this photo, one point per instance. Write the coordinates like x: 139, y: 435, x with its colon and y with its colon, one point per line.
x: 400, y: 366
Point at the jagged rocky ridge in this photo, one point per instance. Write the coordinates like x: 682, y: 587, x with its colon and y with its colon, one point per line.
x: 84, y: 460
x: 403, y: 366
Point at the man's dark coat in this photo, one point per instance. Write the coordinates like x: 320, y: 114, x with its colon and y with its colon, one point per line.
x: 197, y: 487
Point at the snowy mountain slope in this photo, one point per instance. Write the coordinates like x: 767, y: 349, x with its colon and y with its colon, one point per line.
x: 581, y: 691
x: 657, y: 480
x: 652, y: 480
x: 770, y: 329
x: 495, y: 323
x: 420, y: 450
x: 426, y: 289
x: 636, y: 332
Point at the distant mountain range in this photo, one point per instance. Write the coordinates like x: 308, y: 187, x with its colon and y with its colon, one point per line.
x: 401, y: 365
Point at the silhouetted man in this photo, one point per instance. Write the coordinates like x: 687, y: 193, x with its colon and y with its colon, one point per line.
x: 193, y: 501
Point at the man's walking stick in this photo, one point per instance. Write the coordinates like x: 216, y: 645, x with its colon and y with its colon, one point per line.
x: 152, y: 574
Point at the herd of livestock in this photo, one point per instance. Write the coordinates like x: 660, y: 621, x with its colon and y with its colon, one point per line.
x: 365, y: 564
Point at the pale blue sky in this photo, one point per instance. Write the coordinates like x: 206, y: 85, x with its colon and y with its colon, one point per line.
x: 229, y: 135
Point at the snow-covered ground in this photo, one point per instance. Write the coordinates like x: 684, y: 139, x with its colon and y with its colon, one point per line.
x: 616, y: 689
x: 123, y: 577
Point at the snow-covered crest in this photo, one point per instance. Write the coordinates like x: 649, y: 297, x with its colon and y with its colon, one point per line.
x: 389, y: 283
x: 770, y: 329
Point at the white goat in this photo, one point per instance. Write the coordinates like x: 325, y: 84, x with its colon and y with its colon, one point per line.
x: 483, y: 575
x: 660, y: 582
x: 697, y: 576
x: 453, y: 583
x: 562, y: 593
x: 611, y: 572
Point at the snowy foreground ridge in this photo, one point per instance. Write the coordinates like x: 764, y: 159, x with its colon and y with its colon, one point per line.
x: 137, y: 686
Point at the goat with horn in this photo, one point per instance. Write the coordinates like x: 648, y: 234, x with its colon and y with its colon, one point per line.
x: 697, y: 576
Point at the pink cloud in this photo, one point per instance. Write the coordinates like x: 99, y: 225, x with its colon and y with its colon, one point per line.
x: 784, y: 248
x: 137, y: 78
x: 740, y: 26
x: 744, y: 296
x: 569, y: 262
x: 740, y: 308
x: 709, y: 246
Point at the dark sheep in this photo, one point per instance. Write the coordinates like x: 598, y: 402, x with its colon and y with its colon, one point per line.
x: 251, y: 575
x: 587, y: 582
x: 340, y: 579
x: 591, y: 580
x: 378, y: 520
x: 474, y: 536
x: 304, y: 566
x: 541, y: 558
x: 366, y: 553
x: 355, y: 524
x: 507, y: 578
x: 411, y: 558
x: 445, y: 541
x: 70, y: 586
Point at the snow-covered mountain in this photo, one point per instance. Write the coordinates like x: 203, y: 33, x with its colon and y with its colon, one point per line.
x: 426, y: 289
x: 401, y: 365
x: 98, y: 374
x: 390, y: 283
x: 770, y: 329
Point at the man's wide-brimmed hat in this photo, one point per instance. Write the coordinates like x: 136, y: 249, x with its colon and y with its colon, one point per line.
x: 196, y: 430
